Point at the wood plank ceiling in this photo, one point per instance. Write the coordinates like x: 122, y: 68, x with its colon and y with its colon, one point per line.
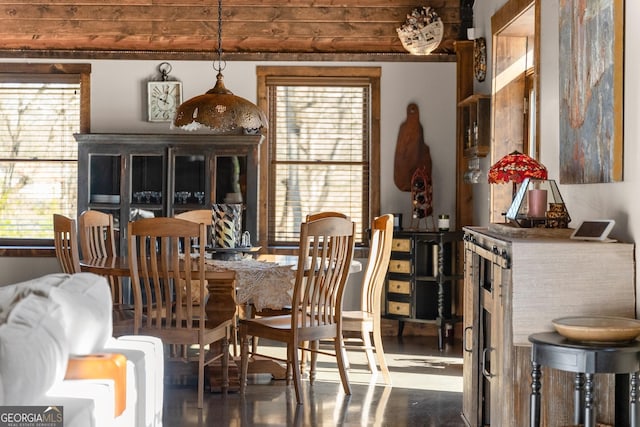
x: 251, y: 29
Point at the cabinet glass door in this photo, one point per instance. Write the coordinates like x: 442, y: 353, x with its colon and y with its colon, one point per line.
x: 104, y: 179
x: 189, y: 188
x: 230, y: 179
x: 147, y: 186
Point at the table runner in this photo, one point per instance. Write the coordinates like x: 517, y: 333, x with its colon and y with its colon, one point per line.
x: 262, y: 283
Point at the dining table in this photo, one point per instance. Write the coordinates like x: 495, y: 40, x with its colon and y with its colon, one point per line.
x: 262, y: 283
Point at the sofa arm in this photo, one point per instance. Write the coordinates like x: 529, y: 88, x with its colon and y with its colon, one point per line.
x: 111, y: 366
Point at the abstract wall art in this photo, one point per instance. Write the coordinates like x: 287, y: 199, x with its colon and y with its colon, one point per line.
x: 591, y: 79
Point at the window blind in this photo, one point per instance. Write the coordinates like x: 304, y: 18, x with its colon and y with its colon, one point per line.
x: 38, y: 153
x: 319, y: 153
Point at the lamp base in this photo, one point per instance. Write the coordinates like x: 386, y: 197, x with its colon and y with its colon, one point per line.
x: 529, y: 222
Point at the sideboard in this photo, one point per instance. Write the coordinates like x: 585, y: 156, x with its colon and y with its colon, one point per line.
x: 515, y: 286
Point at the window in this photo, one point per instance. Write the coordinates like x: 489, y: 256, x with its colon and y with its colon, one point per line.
x: 41, y: 107
x: 322, y: 148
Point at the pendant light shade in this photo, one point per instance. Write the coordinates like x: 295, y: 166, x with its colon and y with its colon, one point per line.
x: 219, y: 110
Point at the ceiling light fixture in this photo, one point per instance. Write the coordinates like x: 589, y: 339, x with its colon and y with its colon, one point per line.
x: 219, y: 110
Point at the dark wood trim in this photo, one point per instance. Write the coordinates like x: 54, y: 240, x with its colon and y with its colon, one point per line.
x: 231, y: 56
x: 464, y: 89
x: 28, y: 251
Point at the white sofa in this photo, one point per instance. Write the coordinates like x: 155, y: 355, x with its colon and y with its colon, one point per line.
x: 46, y: 321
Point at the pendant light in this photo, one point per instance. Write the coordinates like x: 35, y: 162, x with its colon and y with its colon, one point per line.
x: 219, y: 110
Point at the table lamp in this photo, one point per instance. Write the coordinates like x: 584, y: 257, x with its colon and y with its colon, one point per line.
x: 515, y: 167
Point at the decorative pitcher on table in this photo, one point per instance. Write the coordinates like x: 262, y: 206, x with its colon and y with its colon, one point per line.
x: 227, y: 224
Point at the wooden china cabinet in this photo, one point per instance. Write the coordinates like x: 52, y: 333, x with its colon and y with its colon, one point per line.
x: 143, y: 175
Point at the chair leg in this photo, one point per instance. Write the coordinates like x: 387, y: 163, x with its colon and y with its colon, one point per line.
x: 377, y: 341
x: 225, y: 363
x: 338, y: 345
x: 303, y: 356
x: 234, y: 333
x: 368, y: 349
x: 201, y: 377
x: 292, y: 358
x: 314, y: 346
x: 244, y: 358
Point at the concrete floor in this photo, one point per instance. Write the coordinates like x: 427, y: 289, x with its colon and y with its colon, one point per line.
x: 426, y: 391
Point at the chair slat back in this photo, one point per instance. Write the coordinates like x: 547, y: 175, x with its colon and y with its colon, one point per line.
x: 96, y: 234
x: 200, y: 216
x: 164, y: 279
x: 65, y: 240
x: 324, y: 259
x: 377, y: 263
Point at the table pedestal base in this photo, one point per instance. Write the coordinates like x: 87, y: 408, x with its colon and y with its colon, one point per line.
x: 257, y: 365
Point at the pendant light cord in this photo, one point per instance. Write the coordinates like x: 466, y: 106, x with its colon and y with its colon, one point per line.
x: 220, y: 64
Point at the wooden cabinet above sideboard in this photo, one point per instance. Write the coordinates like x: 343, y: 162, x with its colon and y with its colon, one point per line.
x: 476, y: 122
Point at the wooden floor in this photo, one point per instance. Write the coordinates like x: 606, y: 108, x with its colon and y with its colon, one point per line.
x: 426, y: 391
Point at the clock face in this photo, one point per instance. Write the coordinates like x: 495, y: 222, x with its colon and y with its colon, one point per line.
x: 163, y: 98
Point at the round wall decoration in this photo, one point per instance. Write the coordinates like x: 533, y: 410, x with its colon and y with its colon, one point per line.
x: 480, y: 58
x: 422, y: 31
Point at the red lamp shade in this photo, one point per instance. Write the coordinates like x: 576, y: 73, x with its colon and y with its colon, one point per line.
x: 515, y: 167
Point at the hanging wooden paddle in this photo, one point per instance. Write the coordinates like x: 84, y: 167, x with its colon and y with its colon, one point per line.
x: 411, y: 151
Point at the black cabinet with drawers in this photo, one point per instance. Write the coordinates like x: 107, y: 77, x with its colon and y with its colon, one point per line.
x: 422, y: 279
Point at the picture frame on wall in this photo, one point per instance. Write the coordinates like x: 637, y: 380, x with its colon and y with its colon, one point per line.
x: 591, y: 90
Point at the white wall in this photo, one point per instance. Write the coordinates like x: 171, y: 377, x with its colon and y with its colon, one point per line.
x: 118, y: 97
x: 117, y: 105
x: 584, y: 201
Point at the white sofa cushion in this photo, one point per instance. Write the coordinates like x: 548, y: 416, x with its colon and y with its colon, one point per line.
x: 85, y: 300
x: 33, y: 349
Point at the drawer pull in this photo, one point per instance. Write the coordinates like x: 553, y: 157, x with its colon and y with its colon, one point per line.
x: 399, y: 287
x: 398, y: 308
x: 401, y: 245
x: 396, y: 266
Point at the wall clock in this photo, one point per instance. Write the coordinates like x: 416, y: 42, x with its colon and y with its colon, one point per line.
x: 480, y: 58
x: 163, y: 96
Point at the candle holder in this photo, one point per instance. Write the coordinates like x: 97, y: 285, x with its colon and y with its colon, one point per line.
x: 535, y: 200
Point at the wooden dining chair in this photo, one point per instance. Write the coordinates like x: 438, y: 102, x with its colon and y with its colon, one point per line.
x: 164, y: 267
x: 324, y: 259
x: 366, y: 321
x: 65, y: 239
x: 97, y: 240
x: 205, y: 216
x: 200, y: 216
x: 97, y: 234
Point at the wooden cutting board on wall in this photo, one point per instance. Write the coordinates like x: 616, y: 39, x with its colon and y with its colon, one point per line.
x: 411, y: 151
